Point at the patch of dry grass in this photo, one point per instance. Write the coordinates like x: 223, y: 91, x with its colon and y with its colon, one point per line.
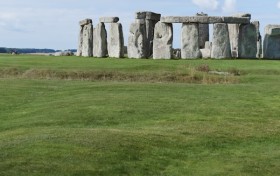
x: 198, y: 75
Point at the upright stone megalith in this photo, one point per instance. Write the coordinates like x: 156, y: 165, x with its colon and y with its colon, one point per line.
x: 85, y: 38
x: 100, y: 41
x: 259, y: 39
x: 190, y: 41
x: 234, y: 34
x: 150, y: 19
x: 163, y: 39
x: 137, y: 46
x: 203, y: 31
x: 247, y: 41
x: 271, y: 45
x: 116, y: 41
x: 221, y: 43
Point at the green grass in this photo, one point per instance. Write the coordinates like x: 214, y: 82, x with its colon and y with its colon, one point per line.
x: 56, y: 126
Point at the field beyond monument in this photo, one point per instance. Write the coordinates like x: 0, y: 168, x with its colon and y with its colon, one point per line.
x: 88, y: 116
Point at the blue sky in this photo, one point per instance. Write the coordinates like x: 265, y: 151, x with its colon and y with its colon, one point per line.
x: 54, y: 23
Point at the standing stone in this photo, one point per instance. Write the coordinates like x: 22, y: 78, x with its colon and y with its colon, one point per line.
x: 151, y: 19
x: 234, y: 34
x: 137, y: 44
x: 190, y: 41
x: 87, y: 40
x: 221, y: 42
x: 163, y: 39
x: 203, y: 32
x: 247, y: 42
x: 100, y: 41
x: 259, y: 39
x: 116, y: 41
x: 79, y: 50
x: 206, y: 52
x: 271, y: 45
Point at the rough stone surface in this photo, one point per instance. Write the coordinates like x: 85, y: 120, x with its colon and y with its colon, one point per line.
x: 243, y: 15
x: 150, y: 28
x: 87, y: 40
x: 109, y: 19
x: 204, y: 19
x: 247, y: 42
x: 208, y: 45
x: 85, y: 22
x: 137, y: 47
x: 116, y: 41
x: 203, y: 32
x: 176, y: 53
x: 259, y: 39
x: 221, y: 43
x: 205, y: 53
x: 149, y: 19
x: 190, y: 41
x: 272, y: 30
x: 163, y: 39
x: 271, y: 45
x: 234, y: 34
x: 100, y: 41
x: 147, y: 15
x: 80, y: 42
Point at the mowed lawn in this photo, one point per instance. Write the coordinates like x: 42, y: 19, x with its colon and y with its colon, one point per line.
x: 55, y: 124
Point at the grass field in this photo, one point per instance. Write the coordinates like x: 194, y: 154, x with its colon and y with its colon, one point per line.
x: 87, y: 116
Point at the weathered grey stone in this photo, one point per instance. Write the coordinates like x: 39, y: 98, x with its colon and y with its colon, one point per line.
x: 204, y: 19
x: 208, y: 45
x: 109, y: 19
x: 234, y: 34
x: 116, y: 41
x: 243, y: 15
x: 176, y: 53
x: 150, y: 28
x: 221, y: 42
x: 190, y: 41
x: 80, y: 40
x: 147, y: 15
x: 203, y: 32
x: 206, y: 52
x: 87, y: 40
x: 150, y: 19
x: 163, y: 39
x: 247, y: 42
x: 271, y: 45
x: 100, y: 41
x: 272, y: 30
x: 85, y: 22
x: 137, y: 47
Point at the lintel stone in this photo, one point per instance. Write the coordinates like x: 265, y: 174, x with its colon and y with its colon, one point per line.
x: 272, y: 30
x: 85, y: 22
x: 109, y: 19
x: 148, y: 16
x: 205, y: 19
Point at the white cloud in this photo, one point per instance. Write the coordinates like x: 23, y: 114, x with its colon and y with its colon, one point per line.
x: 206, y: 4
x: 278, y: 4
x: 229, y: 6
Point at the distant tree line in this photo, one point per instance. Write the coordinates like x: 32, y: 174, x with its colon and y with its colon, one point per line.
x: 30, y: 50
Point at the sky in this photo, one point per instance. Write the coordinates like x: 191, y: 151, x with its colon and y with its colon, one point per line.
x: 54, y: 23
